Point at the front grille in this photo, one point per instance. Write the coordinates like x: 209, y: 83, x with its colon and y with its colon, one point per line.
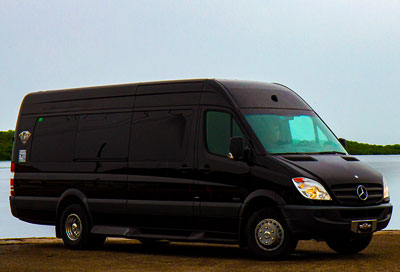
x: 347, y: 193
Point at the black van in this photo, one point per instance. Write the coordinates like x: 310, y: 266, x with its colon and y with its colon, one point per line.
x: 220, y: 161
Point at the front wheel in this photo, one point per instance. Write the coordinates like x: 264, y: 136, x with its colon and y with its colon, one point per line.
x: 268, y: 236
x: 349, y: 243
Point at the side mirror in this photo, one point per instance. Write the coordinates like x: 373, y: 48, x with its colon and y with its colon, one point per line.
x: 343, y: 142
x: 236, y: 150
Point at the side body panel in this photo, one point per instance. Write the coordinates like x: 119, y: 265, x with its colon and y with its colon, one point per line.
x: 222, y: 184
x: 161, y: 161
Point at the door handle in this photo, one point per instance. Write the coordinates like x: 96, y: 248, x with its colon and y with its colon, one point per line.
x: 184, y: 169
x: 206, y: 169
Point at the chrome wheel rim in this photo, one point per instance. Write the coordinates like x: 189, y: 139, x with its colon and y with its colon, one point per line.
x: 269, y: 234
x: 73, y: 227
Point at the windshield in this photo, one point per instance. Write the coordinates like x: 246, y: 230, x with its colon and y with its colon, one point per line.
x: 292, y: 131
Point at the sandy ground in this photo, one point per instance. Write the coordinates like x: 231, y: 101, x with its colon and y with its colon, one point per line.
x: 49, y: 254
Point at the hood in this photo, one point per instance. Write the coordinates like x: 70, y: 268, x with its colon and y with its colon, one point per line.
x: 334, y: 169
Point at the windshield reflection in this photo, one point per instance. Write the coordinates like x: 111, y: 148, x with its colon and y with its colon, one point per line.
x: 293, y: 131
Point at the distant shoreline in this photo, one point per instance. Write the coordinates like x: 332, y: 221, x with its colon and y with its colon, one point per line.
x: 349, y: 154
x: 353, y: 147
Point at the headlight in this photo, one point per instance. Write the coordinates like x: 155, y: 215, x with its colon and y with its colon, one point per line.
x: 311, y: 189
x: 385, y: 189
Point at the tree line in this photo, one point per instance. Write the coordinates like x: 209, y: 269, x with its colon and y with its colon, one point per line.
x: 6, y: 141
x: 353, y: 147
x: 356, y: 148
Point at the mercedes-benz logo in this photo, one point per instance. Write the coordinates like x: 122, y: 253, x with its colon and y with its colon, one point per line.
x: 362, y: 192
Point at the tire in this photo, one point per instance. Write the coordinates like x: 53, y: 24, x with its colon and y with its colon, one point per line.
x: 96, y: 241
x: 75, y: 229
x: 349, y: 243
x: 268, y: 235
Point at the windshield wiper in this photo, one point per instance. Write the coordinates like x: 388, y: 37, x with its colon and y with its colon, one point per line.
x: 329, y: 152
x: 290, y: 153
x: 310, y: 153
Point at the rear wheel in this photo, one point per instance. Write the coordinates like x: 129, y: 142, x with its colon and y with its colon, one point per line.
x: 75, y: 229
x: 349, y: 243
x: 268, y: 236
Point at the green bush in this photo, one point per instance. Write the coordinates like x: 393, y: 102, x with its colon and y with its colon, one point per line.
x: 6, y: 142
x: 356, y: 148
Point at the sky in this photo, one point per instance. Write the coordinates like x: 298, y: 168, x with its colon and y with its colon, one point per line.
x: 342, y: 57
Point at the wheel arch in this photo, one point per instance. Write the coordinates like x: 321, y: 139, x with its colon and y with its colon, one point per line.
x: 256, y: 200
x: 69, y: 197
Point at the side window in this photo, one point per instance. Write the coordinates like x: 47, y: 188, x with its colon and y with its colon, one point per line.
x: 161, y: 136
x: 103, y: 136
x: 53, y: 139
x: 220, y: 127
x: 236, y: 131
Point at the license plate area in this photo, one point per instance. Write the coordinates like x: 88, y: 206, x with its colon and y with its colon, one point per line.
x: 363, y: 226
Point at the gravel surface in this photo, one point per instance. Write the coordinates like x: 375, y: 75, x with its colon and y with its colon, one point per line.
x: 49, y: 254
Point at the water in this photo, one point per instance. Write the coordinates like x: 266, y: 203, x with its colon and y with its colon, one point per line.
x: 11, y: 227
x: 389, y: 166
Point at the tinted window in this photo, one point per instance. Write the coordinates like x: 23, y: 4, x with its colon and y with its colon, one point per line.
x: 161, y: 135
x: 236, y: 131
x: 103, y: 136
x: 220, y: 127
x: 53, y: 138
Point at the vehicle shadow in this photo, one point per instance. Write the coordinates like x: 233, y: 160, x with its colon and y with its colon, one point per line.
x: 208, y: 251
x: 219, y: 251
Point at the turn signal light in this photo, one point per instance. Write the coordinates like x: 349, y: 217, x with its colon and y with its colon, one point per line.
x: 12, y: 192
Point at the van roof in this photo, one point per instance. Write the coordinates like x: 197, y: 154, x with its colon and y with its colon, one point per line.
x: 95, y: 91
x: 254, y: 94
x: 243, y: 94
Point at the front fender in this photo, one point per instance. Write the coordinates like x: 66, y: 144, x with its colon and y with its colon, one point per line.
x: 268, y: 194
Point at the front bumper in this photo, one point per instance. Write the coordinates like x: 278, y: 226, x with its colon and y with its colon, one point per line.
x: 317, y: 221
